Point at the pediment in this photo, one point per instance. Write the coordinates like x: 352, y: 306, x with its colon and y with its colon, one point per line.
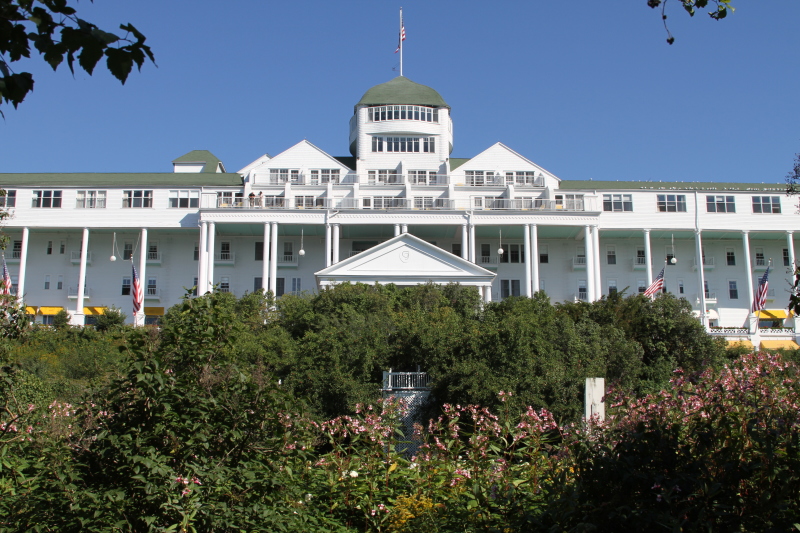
x: 405, y: 260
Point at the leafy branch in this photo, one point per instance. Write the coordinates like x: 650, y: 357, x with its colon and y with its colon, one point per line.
x: 690, y: 6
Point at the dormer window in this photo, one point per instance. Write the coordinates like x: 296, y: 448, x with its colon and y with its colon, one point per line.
x: 404, y: 144
x: 403, y: 112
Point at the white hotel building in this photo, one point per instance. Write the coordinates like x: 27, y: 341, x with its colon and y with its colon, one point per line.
x: 399, y: 210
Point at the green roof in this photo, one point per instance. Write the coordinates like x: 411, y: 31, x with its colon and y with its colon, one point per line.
x: 669, y: 185
x: 456, y: 162
x: 200, y: 156
x: 349, y: 162
x: 401, y: 90
x: 156, y: 179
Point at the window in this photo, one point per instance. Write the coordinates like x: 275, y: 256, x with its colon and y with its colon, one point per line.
x: 184, y: 199
x: 49, y: 247
x: 641, y: 259
x: 152, y: 287
x: 62, y: 248
x: 583, y: 293
x: 60, y: 283
x: 47, y: 283
x: 760, y: 259
x: 641, y: 286
x: 580, y: 255
x: 478, y: 178
x: 90, y: 200
x: 327, y: 175
x: 257, y: 282
x: 46, y: 199
x: 127, y: 251
x: 288, y: 254
x: 680, y: 287
x: 570, y: 202
x: 281, y: 175
x: 225, y: 284
x: 423, y: 202
x: 720, y: 204
x: 612, y: 287
x: 672, y: 203
x: 308, y: 201
x: 259, y: 251
x: 16, y: 251
x: 387, y: 202
x: 544, y: 257
x: 541, y: 284
x: 194, y: 287
x: 617, y: 202
x: 733, y: 291
x: 126, y: 286
x: 786, y: 261
x: 225, y: 251
x: 730, y: 257
x: 152, y: 252
x: 521, y: 178
x: 486, y: 252
x: 611, y: 255
x: 705, y: 289
x: 766, y: 204
x: 402, y: 112
x: 514, y: 253
x: 296, y: 285
x: 422, y: 177
x: 138, y: 198
x: 383, y: 176
x: 279, y: 286
x: 509, y: 287
x: 229, y: 198
x: 9, y: 199
x: 404, y: 144
x: 48, y: 320
x: 197, y: 251
x: 455, y: 249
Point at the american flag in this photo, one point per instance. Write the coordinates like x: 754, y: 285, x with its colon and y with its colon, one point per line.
x: 5, y: 286
x: 656, y: 286
x: 136, y: 290
x: 760, y: 301
x: 402, y: 35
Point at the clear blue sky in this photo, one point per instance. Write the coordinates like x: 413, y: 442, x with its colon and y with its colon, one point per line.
x: 588, y: 90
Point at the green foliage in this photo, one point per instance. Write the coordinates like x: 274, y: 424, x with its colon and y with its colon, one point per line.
x: 53, y: 29
x: 720, y: 11
x: 112, y: 319
x: 61, y: 320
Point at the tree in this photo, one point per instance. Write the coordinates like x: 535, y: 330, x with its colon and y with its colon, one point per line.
x: 723, y: 7
x: 52, y: 28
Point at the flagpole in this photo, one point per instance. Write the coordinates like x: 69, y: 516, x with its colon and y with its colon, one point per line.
x: 401, y: 41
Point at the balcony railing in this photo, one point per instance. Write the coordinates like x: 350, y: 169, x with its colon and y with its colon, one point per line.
x: 225, y: 258
x: 405, y: 380
x: 75, y: 257
x: 708, y: 263
x: 72, y: 292
x: 152, y: 293
x: 722, y: 331
x: 422, y: 204
x: 154, y: 258
x: 579, y: 262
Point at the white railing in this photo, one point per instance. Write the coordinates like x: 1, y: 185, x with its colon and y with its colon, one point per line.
x: 723, y: 331
x: 579, y: 261
x: 777, y: 331
x: 153, y: 257
x: 72, y: 292
x: 152, y: 293
x: 640, y: 261
x: 708, y: 262
x: 391, y: 202
x: 225, y: 257
x: 488, y: 260
x: 405, y: 380
x: 581, y: 296
x: 75, y: 256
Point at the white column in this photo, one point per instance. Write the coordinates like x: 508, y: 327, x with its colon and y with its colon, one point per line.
x: 396, y: 230
x: 77, y: 318
x: 527, y: 246
x: 535, y: 257
x: 647, y: 259
x: 139, y: 318
x: 789, y: 243
x: 265, y: 263
x: 328, y: 246
x: 23, y: 263
x: 590, y: 286
x: 597, y: 262
x: 202, y: 260
x: 336, y: 235
x: 472, y: 243
x: 701, y: 275
x: 747, y: 270
x: 487, y: 294
x: 464, y: 242
x: 273, y: 265
x: 404, y: 229
x: 212, y: 233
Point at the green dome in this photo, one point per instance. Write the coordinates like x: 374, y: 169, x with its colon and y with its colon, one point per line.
x: 402, y: 91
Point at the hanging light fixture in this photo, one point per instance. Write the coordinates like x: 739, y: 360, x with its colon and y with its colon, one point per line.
x: 674, y: 259
x: 302, y: 252
x: 500, y: 250
x: 113, y: 248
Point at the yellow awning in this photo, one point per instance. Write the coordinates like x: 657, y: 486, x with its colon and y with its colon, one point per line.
x: 772, y: 314
x: 740, y: 344
x: 776, y: 345
x: 45, y: 310
x: 94, y: 310
x: 30, y: 310
x: 154, y: 311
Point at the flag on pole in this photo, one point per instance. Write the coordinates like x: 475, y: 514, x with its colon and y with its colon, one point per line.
x: 136, y: 290
x: 402, y: 34
x: 656, y: 286
x: 760, y: 301
x: 5, y: 285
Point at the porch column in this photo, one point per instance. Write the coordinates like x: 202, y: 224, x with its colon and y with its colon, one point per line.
x: 789, y: 243
x: 534, y: 231
x: 266, y: 261
x: 472, y: 243
x: 404, y: 228
x: 273, y: 265
x: 597, y: 262
x: 647, y: 259
x: 202, y: 260
x: 336, y: 234
x: 138, y: 318
x: 698, y: 242
x: 748, y: 270
x: 487, y: 294
x: 590, y: 286
x: 396, y: 230
x: 328, y: 246
x: 527, y: 250
x: 464, y: 242
x: 23, y: 263
x: 77, y: 318
x: 212, y: 231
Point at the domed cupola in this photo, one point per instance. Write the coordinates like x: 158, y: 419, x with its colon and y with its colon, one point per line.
x: 402, y: 91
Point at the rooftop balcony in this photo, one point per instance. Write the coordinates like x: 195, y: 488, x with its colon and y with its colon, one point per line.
x: 401, y: 202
